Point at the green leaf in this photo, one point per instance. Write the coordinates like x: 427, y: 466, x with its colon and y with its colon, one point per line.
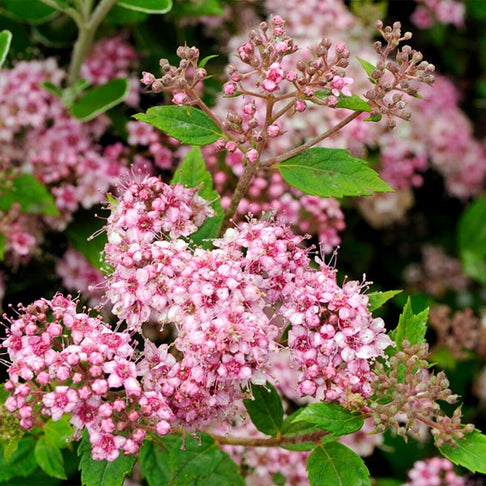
x: 31, y: 194
x: 147, y: 6
x: 471, y: 240
x: 100, y: 99
x: 469, y: 452
x: 21, y: 463
x: 411, y: 326
x: 265, y: 410
x: 50, y: 459
x: 122, y: 16
x: 33, y: 11
x: 204, y: 61
x: 330, y: 417
x: 96, y: 473
x: 192, y: 172
x: 368, y: 67
x: 185, y: 123
x: 387, y: 482
x: 333, y: 464
x: 198, y: 462
x: 377, y: 299
x: 3, y: 243
x: 195, y: 8
x: 353, y: 102
x: 58, y: 434
x: 293, y: 428
x: 79, y: 234
x: 154, y: 460
x: 329, y: 172
x: 52, y: 88
x: 5, y: 40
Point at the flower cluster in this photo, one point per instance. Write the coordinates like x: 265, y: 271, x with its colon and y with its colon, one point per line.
x: 66, y: 362
x: 428, y: 12
x: 231, y: 304
x: 436, y: 471
x: 406, y: 398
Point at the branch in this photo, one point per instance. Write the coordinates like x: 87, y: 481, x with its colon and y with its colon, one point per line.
x: 296, y: 151
x: 270, y: 442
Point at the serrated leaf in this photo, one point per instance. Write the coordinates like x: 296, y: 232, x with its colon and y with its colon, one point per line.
x: 192, y: 173
x: 21, y: 463
x: 99, y: 99
x: 201, y: 462
x: 411, y: 327
x: 471, y: 240
x: 147, y: 6
x: 31, y: 194
x: 368, y: 67
x: 96, y: 473
x: 5, y: 40
x: 265, y: 410
x: 33, y: 11
x: 333, y: 464
x: 49, y: 459
x: 353, y: 102
x: 154, y: 460
x: 330, y: 417
x: 59, y: 433
x: 469, y: 452
x: 377, y: 299
x: 185, y: 123
x: 329, y: 172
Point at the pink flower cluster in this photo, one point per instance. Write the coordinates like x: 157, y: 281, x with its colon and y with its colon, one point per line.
x: 333, y: 337
x: 66, y: 362
x: 230, y: 304
x: 109, y: 59
x: 429, y: 12
x: 436, y: 471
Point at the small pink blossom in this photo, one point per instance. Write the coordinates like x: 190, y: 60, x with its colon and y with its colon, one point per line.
x: 229, y: 89
x: 340, y: 85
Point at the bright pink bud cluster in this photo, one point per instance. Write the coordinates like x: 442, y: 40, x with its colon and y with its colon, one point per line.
x: 64, y: 361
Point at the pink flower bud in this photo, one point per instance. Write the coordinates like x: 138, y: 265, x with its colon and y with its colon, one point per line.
x: 300, y: 105
x: 147, y: 78
x: 252, y: 155
x: 273, y: 130
x: 229, y: 89
x: 179, y: 98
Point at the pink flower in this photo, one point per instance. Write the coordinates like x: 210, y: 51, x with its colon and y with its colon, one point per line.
x: 273, y: 77
x: 179, y: 98
x: 252, y: 155
x: 229, y: 89
x: 340, y: 85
